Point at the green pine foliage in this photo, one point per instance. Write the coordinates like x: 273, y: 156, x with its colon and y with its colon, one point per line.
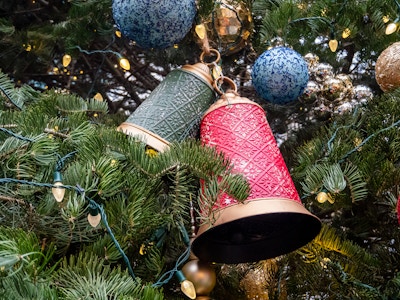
x: 141, y: 194
x: 48, y: 250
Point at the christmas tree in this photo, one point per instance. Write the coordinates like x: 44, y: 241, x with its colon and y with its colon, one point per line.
x: 88, y: 211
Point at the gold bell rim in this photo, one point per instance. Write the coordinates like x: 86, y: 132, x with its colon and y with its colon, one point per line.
x: 255, y: 230
x: 146, y: 136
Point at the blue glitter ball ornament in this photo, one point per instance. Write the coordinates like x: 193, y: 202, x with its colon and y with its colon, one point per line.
x: 280, y: 75
x: 154, y: 23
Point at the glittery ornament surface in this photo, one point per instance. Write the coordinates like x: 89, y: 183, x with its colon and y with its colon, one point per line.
x: 280, y: 75
x: 363, y: 93
x: 322, y: 72
x: 387, y: 68
x: 338, y: 89
x: 152, y: 23
x: 229, y: 26
x: 311, y: 92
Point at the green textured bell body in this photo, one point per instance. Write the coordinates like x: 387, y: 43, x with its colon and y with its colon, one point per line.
x: 173, y: 108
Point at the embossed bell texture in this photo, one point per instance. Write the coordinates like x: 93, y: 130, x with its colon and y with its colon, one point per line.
x: 173, y: 107
x: 272, y: 221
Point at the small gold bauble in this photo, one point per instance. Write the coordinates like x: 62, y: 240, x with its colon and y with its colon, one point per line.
x: 363, y: 93
x: 322, y: 71
x: 311, y: 92
x: 229, y: 26
x: 201, y: 274
x: 387, y: 68
x: 333, y: 88
x: 312, y: 61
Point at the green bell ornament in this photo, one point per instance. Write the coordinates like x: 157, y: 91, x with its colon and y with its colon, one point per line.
x: 174, y: 107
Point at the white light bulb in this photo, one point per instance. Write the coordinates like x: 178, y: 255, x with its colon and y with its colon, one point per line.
x: 188, y: 289
x: 57, y: 191
x: 94, y: 220
x: 391, y: 28
x: 124, y: 64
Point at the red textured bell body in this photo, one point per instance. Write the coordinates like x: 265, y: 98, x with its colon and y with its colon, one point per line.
x: 272, y: 221
x: 240, y: 130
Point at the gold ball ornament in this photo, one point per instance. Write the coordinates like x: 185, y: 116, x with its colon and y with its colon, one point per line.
x: 338, y: 88
x: 202, y: 275
x: 228, y: 27
x: 312, y: 61
x: 387, y: 68
x: 322, y: 71
x: 311, y: 92
x: 363, y: 93
x: 333, y: 88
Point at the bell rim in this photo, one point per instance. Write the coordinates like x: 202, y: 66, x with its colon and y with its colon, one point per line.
x: 212, y: 242
x: 146, y: 136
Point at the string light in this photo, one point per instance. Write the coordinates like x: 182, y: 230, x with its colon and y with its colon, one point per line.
x: 391, y: 27
x: 187, y: 287
x: 333, y: 44
x: 57, y: 189
x: 124, y: 63
x: 66, y: 60
x: 98, y: 97
x: 385, y: 19
x: 94, y: 216
x: 97, y: 214
x: 200, y: 30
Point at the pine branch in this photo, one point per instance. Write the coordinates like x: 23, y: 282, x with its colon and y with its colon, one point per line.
x: 92, y: 277
x: 356, y: 182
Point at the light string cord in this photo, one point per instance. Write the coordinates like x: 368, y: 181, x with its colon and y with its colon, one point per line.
x: 398, y: 5
x: 20, y: 137
x: 333, y: 137
x: 94, y: 205
x: 330, y: 23
x: 367, y: 139
x: 97, y: 74
x: 166, y: 277
x: 98, y: 51
x: 61, y: 160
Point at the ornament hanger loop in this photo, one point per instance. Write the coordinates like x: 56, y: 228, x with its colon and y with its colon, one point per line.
x: 212, y: 51
x: 220, y: 81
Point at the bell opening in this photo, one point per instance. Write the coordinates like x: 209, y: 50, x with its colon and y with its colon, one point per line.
x: 256, y: 237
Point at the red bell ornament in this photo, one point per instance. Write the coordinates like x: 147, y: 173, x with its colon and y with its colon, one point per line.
x: 272, y: 221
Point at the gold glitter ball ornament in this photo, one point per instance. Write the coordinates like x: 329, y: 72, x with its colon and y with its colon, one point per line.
x: 387, y: 68
x: 229, y: 26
